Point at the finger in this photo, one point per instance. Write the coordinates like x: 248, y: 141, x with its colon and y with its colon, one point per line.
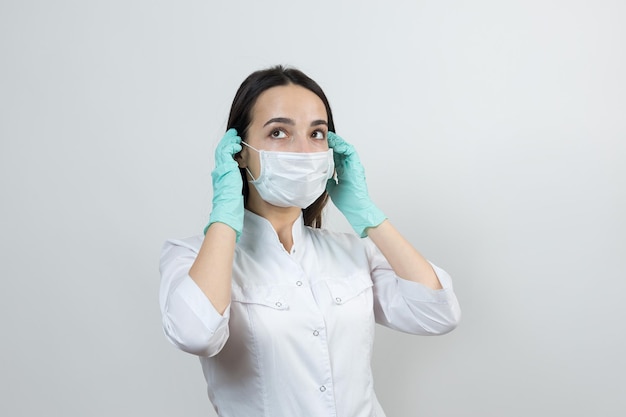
x: 228, y: 141
x: 234, y: 148
x: 330, y: 186
x: 334, y: 139
x: 330, y: 137
x: 232, y: 139
x: 337, y: 144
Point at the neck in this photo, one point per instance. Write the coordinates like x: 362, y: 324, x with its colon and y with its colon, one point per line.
x: 281, y: 219
x: 285, y: 235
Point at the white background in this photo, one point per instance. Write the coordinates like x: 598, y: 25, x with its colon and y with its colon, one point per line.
x: 493, y: 134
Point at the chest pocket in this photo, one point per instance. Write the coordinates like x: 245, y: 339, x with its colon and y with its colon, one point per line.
x: 345, y: 289
x: 274, y: 297
x: 262, y: 315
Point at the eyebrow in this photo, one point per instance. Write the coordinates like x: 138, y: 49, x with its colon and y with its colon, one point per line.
x: 289, y: 121
x: 319, y: 122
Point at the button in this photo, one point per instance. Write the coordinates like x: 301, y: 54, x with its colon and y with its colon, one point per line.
x: 338, y: 299
x: 322, y: 388
x: 316, y: 333
x: 278, y: 304
x: 299, y: 283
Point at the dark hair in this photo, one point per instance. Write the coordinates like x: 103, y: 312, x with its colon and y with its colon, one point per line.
x: 241, y: 116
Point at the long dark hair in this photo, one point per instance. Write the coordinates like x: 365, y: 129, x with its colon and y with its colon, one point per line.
x: 241, y: 116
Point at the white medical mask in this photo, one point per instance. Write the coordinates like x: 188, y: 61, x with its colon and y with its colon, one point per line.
x: 292, y: 179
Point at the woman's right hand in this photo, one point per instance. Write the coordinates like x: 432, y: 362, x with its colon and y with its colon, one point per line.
x: 227, y: 184
x: 213, y: 267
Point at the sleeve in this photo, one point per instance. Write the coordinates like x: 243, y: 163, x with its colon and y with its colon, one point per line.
x: 409, y: 306
x: 190, y: 321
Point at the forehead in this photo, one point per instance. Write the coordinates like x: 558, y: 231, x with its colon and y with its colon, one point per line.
x: 291, y: 101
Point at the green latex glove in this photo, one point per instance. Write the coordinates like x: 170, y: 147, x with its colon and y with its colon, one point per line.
x: 349, y: 192
x: 227, y: 184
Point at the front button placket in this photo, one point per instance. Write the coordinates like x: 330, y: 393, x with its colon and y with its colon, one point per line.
x: 318, y: 342
x: 325, y: 388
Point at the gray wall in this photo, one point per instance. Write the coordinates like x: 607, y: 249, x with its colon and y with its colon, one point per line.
x: 492, y: 133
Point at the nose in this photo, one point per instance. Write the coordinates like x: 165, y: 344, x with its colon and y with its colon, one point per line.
x: 304, y: 147
x: 302, y: 144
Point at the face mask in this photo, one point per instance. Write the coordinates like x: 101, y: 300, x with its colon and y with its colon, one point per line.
x: 292, y: 179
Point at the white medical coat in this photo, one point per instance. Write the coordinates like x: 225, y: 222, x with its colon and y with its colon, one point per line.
x: 297, y: 337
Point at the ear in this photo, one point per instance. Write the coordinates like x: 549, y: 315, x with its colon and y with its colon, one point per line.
x: 241, y: 157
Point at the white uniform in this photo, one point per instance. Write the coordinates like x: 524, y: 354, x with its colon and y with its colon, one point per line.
x: 297, y: 337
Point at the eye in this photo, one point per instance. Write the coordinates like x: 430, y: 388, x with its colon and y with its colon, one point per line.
x: 319, y: 134
x: 278, y: 134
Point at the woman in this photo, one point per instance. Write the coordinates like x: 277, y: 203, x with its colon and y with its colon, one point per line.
x: 280, y: 311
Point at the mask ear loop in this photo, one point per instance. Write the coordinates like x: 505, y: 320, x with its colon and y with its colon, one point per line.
x: 246, y: 168
x: 251, y: 176
x: 250, y: 146
x: 332, y: 174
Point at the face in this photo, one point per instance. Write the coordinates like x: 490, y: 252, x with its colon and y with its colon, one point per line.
x: 287, y: 118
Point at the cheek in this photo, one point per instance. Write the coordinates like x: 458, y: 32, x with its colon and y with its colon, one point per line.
x: 321, y: 144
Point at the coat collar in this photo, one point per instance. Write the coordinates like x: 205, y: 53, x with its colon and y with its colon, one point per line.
x: 258, y: 232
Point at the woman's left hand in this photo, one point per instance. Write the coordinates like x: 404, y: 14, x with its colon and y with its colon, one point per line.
x: 349, y: 192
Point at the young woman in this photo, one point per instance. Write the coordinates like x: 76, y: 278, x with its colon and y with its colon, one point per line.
x: 280, y: 311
